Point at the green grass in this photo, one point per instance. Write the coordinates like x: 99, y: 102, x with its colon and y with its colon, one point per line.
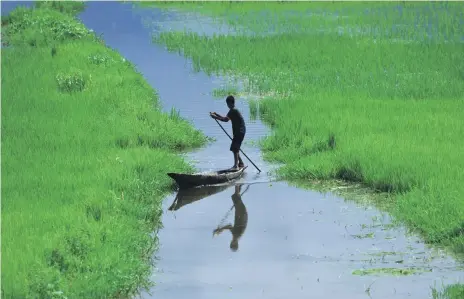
x: 85, y: 150
x: 449, y: 292
x: 224, y: 92
x: 390, y: 271
x: 382, y: 106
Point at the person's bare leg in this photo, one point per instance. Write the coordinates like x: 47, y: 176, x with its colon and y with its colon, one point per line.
x: 240, y: 161
x: 235, y: 161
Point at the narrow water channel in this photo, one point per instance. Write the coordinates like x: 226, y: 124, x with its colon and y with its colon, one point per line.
x: 295, y: 243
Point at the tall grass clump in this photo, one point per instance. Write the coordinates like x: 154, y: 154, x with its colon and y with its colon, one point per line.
x: 254, y: 109
x: 41, y: 27
x: 84, y: 157
x: 225, y: 91
x: 72, y: 82
x: 450, y: 292
x: 67, y: 7
x: 375, y: 96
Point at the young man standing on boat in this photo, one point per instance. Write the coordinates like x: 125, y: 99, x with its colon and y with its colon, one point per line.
x: 238, y: 130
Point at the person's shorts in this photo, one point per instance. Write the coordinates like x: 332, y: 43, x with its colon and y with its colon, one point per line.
x: 237, y: 143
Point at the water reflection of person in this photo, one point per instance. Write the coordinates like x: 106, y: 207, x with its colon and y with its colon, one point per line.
x: 240, y: 220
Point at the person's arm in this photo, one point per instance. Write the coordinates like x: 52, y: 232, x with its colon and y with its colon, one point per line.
x: 219, y: 230
x: 219, y: 117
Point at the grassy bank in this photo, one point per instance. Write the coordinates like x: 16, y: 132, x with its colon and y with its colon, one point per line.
x: 85, y: 150
x: 368, y: 93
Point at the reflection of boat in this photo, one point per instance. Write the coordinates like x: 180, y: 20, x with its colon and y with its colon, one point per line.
x: 184, y: 180
x: 187, y: 196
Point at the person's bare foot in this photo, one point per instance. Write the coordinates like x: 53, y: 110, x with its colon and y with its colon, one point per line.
x: 234, y: 168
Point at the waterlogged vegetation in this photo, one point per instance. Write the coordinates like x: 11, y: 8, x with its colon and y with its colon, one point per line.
x: 225, y: 91
x: 449, y: 292
x: 389, y: 271
x: 85, y: 150
x: 367, y: 93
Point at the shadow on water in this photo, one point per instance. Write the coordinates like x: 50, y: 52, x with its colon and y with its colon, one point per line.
x: 187, y: 196
x: 240, y: 219
x: 297, y: 243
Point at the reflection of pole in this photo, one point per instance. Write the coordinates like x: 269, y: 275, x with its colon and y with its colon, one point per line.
x: 266, y: 182
x: 248, y: 187
x: 225, y: 217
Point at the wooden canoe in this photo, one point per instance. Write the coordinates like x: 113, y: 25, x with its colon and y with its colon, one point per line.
x: 188, y: 196
x: 185, y: 181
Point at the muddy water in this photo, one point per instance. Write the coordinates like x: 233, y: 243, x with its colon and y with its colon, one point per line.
x: 292, y: 243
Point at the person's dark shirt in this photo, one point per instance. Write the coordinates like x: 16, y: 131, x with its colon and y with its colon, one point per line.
x: 238, y: 123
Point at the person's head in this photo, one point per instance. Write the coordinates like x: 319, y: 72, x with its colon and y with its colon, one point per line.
x: 230, y: 100
x: 234, y: 245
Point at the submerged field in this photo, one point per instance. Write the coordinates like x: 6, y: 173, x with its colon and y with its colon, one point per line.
x: 369, y: 93
x: 85, y: 150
